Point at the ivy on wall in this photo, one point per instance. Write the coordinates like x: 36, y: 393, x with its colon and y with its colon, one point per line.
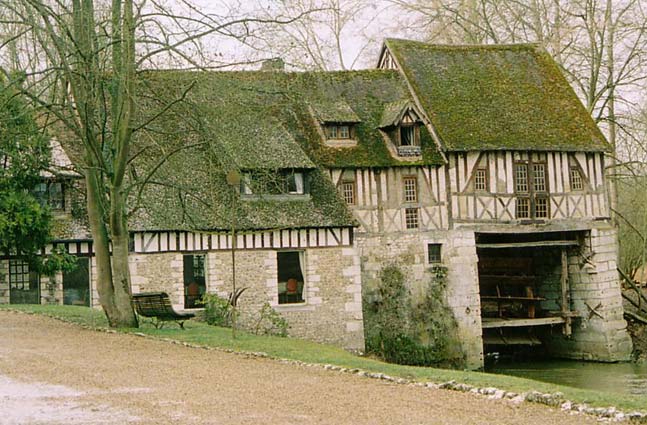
x: 404, y: 331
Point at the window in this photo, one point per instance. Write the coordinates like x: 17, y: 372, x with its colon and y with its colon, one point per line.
x: 408, y: 135
x: 338, y: 131
x: 539, y: 177
x: 290, y: 266
x: 433, y: 253
x: 348, y: 192
x: 523, y: 208
x: 541, y: 207
x: 23, y: 283
x: 521, y: 177
x: 194, y: 280
x: 577, y: 182
x: 295, y: 183
x: 480, y: 179
x: 264, y: 183
x: 411, y: 218
x: 51, y: 193
x: 530, y: 183
x: 410, y: 189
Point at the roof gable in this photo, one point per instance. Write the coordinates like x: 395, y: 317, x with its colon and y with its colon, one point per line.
x: 496, y: 97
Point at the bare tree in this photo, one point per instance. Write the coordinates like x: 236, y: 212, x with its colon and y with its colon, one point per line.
x: 331, y: 35
x: 81, y: 70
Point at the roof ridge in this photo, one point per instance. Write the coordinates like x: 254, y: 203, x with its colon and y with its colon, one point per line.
x: 449, y: 46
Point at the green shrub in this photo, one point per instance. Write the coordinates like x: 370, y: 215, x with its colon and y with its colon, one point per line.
x: 270, y: 322
x: 217, y: 310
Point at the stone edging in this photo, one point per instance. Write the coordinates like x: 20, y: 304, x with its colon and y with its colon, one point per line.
x: 549, y: 399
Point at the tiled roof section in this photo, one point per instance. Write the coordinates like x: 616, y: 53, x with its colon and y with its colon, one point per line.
x: 497, y: 97
x: 326, y: 111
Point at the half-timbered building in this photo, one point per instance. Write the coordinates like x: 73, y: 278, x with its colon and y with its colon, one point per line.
x: 479, y: 159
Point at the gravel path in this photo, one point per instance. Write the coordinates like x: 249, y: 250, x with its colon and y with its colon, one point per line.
x: 57, y: 373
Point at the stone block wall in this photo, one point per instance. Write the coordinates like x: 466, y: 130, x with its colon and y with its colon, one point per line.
x: 158, y: 272
x: 409, y: 251
x: 600, y: 333
x: 332, y: 312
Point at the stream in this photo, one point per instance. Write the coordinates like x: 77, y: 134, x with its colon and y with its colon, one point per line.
x: 622, y: 378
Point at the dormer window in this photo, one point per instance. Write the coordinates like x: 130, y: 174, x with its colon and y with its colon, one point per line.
x: 339, y: 131
x: 51, y: 193
x: 273, y: 183
x: 401, y: 122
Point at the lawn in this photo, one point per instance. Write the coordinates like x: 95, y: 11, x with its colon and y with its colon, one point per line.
x: 296, y: 349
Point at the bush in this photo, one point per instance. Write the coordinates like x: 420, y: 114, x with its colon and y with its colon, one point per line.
x: 217, y: 310
x: 270, y: 322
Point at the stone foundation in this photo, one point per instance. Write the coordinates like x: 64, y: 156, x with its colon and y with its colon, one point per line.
x: 600, y: 333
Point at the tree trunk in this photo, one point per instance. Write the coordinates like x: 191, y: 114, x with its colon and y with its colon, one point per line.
x: 124, y: 314
x: 113, y: 283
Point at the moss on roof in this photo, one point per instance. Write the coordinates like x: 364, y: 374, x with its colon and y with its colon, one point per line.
x: 497, y: 97
x: 394, y: 111
x: 333, y: 110
x: 226, y: 121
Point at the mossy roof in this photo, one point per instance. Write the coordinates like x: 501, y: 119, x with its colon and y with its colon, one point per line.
x: 497, y: 97
x: 333, y: 110
x: 226, y: 121
x: 394, y: 111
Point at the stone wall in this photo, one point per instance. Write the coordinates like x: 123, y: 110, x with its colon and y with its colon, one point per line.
x: 409, y: 251
x: 331, y: 313
x: 600, y: 333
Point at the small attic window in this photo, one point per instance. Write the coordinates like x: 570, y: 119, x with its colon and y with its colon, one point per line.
x: 339, y: 131
x: 284, y: 182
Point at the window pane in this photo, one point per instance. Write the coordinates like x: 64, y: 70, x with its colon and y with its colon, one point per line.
x: 433, y: 252
x: 539, y: 177
x: 290, y: 276
x: 523, y: 208
x: 407, y: 135
x: 576, y: 179
x: 541, y: 207
x: 295, y: 183
x: 411, y: 218
x: 348, y: 192
x: 480, y: 179
x: 410, y: 189
x: 521, y: 177
x: 194, y: 280
x: 343, y: 132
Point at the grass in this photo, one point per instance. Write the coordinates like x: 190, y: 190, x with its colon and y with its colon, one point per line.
x: 306, y: 351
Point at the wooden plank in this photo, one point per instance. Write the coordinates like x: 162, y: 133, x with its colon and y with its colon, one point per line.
x: 510, y: 298
x: 566, y: 302
x: 526, y: 244
x: 491, y: 323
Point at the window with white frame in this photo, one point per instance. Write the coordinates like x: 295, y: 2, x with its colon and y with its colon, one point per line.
x: 410, y: 189
x: 480, y: 179
x: 411, y: 218
x: 577, y: 182
x: 347, y: 190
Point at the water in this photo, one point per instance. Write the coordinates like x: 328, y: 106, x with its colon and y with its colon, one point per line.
x: 622, y: 378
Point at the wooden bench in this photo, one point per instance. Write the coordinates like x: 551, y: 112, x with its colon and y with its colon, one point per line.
x: 157, y: 305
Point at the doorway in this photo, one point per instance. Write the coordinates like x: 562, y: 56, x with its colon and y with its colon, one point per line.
x: 76, y: 284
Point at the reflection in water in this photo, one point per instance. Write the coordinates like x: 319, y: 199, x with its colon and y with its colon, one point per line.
x: 624, y: 378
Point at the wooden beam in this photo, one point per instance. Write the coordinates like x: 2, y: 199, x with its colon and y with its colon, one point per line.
x: 566, y: 302
x: 517, y: 323
x: 534, y: 244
